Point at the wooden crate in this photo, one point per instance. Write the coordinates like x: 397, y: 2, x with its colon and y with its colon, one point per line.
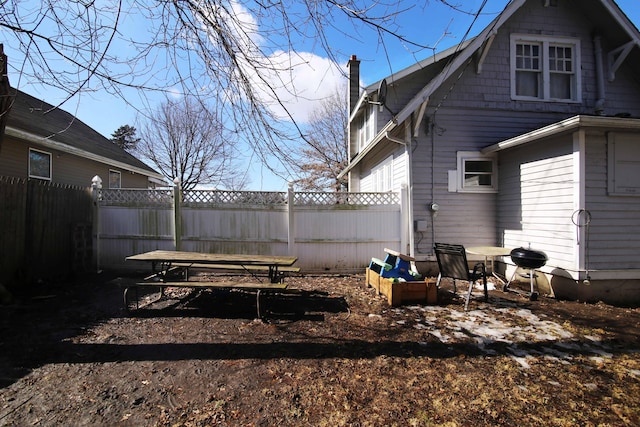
x: 398, y: 293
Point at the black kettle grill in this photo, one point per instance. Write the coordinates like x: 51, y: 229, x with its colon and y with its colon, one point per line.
x: 527, y: 259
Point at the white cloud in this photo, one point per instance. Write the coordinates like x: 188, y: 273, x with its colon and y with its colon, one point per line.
x: 305, y: 79
x: 294, y: 80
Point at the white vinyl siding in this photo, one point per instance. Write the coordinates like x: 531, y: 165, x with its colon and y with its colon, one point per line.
x: 538, y: 204
x: 545, y: 68
x: 389, y: 174
x: 384, y: 175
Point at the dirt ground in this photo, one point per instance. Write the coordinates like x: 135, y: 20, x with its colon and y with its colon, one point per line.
x: 332, y: 354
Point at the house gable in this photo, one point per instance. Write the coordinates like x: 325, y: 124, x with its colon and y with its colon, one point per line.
x: 74, y: 152
x: 488, y: 55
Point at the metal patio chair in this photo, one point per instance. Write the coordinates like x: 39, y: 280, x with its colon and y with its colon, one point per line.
x: 452, y: 261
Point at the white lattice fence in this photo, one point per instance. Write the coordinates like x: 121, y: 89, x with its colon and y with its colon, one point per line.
x: 115, y: 197
x: 234, y: 197
x: 323, y: 198
x: 327, y: 231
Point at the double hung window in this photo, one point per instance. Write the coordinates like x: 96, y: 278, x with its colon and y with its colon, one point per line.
x: 545, y: 68
x: 476, y: 172
x: 366, y: 130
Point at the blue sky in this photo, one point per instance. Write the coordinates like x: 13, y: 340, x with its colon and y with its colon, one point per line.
x: 431, y: 24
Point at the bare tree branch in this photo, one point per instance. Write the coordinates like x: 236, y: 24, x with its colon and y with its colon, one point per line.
x: 185, y: 140
x: 243, y: 54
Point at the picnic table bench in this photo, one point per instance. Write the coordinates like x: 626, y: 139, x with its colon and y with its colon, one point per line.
x: 176, y: 264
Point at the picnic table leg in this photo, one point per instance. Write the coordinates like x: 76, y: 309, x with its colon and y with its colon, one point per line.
x: 126, y: 297
x: 274, y: 275
x: 258, y: 304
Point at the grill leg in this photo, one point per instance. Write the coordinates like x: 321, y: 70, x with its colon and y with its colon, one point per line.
x: 532, y: 276
x: 505, y: 287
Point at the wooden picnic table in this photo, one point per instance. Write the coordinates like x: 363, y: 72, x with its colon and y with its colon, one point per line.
x: 169, y: 259
x: 178, y: 262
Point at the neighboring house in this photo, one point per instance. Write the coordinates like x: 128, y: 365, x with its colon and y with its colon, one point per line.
x: 528, y: 134
x: 47, y: 143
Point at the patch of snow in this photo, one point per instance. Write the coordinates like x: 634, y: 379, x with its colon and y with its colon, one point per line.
x: 634, y: 372
x: 442, y: 338
x: 522, y: 361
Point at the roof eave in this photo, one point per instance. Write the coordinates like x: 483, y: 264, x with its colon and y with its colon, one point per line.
x: 363, y: 153
x: 65, y: 148
x: 568, y: 125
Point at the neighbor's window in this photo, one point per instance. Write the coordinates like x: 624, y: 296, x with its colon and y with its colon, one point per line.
x: 39, y: 164
x: 381, y: 177
x: 366, y: 130
x: 476, y: 172
x: 545, y: 68
x: 115, y: 179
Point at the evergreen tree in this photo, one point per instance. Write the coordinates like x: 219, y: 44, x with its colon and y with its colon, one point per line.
x: 125, y: 138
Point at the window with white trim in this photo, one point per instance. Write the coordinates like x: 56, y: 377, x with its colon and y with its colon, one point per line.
x: 39, y: 164
x: 545, y: 68
x: 382, y: 175
x: 477, y: 172
x: 115, y: 179
x: 367, y: 126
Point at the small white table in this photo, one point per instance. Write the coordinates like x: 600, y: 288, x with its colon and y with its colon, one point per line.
x: 489, y: 253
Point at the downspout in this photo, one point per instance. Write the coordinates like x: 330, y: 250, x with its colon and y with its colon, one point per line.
x: 600, y: 102
x: 433, y: 206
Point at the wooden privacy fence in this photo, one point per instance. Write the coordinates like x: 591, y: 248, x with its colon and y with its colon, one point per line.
x: 328, y: 232
x: 45, y: 231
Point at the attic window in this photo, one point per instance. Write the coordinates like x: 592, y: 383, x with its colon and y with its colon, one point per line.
x: 39, y: 164
x: 545, y: 68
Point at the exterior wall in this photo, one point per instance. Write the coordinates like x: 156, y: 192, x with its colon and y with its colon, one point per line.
x: 473, y: 110
x: 614, y: 230
x: 398, y: 171
x: 538, y: 199
x: 465, y: 218
x: 490, y: 115
x: 66, y: 168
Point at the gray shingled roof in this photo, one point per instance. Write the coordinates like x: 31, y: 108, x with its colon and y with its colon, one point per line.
x: 40, y: 119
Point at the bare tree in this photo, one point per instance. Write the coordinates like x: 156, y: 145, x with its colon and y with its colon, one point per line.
x: 185, y: 140
x: 231, y: 48
x: 325, y: 155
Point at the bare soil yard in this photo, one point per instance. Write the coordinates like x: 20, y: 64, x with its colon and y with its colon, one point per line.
x: 334, y: 354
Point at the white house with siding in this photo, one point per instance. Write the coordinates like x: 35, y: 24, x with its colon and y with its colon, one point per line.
x: 527, y: 134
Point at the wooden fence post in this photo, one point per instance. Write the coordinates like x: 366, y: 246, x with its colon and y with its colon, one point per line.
x: 177, y: 215
x: 96, y: 186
